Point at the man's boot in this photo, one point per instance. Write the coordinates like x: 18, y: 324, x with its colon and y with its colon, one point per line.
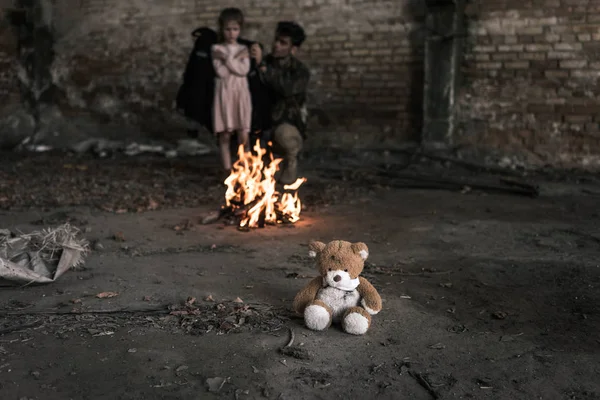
x: 288, y: 142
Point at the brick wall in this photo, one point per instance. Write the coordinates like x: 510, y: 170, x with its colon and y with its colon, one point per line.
x: 531, y: 80
x: 124, y: 60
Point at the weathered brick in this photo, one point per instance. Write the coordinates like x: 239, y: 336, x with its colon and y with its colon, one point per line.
x: 568, y: 46
x: 572, y: 64
x: 538, y: 47
x: 540, y: 108
x: 484, y: 49
x: 510, y: 48
x: 562, y: 55
x: 517, y: 65
x: 578, y: 119
x: 505, y: 56
x: 532, y: 56
x: 554, y: 74
x: 584, y: 37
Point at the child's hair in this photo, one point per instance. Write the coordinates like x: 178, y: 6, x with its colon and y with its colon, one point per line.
x: 228, y: 15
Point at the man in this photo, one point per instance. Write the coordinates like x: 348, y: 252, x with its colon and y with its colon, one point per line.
x: 286, y: 78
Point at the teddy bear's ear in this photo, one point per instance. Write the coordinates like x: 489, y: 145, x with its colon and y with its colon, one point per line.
x: 360, y: 249
x: 315, y: 248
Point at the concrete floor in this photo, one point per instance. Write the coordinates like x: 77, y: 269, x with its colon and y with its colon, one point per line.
x: 486, y: 296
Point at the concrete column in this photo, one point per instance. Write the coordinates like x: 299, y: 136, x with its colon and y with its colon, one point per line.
x: 443, y: 51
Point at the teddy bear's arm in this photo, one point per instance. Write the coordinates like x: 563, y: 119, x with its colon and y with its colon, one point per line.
x: 371, y: 300
x: 307, y: 294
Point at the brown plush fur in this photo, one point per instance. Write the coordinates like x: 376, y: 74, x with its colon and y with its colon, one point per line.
x: 344, y: 256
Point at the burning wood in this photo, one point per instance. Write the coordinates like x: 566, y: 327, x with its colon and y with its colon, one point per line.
x: 252, y: 199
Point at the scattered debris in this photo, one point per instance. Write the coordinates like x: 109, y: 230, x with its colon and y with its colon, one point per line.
x: 292, y: 337
x: 499, y: 315
x: 437, y: 346
x: 446, y: 285
x: 510, y: 338
x: 41, y: 256
x: 215, y: 385
x: 484, y: 383
x: 225, y: 317
x: 119, y: 237
x: 376, y: 368
x: 238, y: 300
x: 314, y: 378
x: 190, y: 301
x: 209, y: 298
x: 186, y: 225
x: 107, y: 295
x: 457, y: 329
x: 240, y: 392
x: 133, y: 350
x: 19, y: 327
x: 211, y: 217
x: 422, y: 380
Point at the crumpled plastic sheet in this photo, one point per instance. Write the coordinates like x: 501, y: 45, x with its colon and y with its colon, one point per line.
x: 41, y: 256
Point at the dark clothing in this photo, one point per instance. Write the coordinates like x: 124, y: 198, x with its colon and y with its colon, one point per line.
x: 261, y: 101
x: 287, y: 83
x: 196, y: 94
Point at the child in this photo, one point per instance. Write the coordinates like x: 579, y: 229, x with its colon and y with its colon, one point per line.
x: 232, y: 109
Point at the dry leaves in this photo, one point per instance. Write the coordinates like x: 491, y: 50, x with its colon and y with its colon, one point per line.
x: 119, y: 237
x: 107, y: 295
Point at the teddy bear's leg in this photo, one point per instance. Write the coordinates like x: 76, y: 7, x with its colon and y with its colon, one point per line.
x: 356, y: 321
x: 317, y: 316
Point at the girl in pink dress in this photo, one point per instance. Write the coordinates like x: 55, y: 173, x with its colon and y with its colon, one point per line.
x: 232, y: 104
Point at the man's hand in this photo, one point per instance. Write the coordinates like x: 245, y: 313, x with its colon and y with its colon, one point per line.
x: 256, y: 53
x: 243, y: 54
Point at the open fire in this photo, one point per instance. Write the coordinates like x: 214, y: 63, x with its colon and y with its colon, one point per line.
x: 251, y: 194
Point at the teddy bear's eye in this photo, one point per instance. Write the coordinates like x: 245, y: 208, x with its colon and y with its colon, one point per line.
x: 330, y: 269
x: 345, y: 270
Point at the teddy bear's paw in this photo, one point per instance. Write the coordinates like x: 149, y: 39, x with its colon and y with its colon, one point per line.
x: 368, y: 309
x: 356, y: 324
x: 317, y: 318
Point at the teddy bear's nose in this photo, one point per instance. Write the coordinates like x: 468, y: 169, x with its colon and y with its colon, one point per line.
x: 337, y: 278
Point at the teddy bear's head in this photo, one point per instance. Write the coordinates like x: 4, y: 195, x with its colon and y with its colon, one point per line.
x: 339, y: 262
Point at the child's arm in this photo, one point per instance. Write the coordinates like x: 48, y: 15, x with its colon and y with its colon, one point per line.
x: 238, y: 65
x: 219, y: 65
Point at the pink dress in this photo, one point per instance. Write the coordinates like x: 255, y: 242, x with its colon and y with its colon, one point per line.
x: 232, y: 109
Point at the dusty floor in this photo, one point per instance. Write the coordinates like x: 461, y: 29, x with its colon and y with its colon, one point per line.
x: 486, y: 296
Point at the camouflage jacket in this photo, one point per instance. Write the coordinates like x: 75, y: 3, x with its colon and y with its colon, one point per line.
x: 287, y: 81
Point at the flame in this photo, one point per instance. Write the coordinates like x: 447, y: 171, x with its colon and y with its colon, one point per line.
x: 251, y: 189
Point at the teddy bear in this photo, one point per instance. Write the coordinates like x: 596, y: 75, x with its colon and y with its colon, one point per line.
x: 339, y: 294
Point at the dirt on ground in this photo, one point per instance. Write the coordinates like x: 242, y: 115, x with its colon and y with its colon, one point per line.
x: 489, y: 291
